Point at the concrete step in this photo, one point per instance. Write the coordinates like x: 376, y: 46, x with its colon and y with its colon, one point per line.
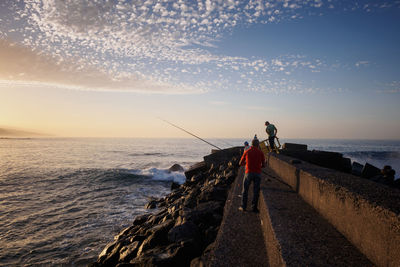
x: 296, y: 235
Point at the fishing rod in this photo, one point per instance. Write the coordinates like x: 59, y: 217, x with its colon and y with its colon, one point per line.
x: 189, y: 133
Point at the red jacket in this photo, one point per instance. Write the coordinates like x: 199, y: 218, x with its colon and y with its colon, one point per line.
x: 254, y: 159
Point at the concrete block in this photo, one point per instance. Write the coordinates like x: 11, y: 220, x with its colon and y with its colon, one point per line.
x: 370, y: 171
x: 346, y: 165
x: 224, y: 155
x: 294, y: 147
x: 356, y: 168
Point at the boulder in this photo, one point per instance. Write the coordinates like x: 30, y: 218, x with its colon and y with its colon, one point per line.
x: 129, y: 251
x: 176, y: 168
x: 141, y: 219
x: 186, y: 230
x: 111, y: 258
x: 183, y: 254
x: 174, y: 186
x: 152, y: 204
x: 196, y: 168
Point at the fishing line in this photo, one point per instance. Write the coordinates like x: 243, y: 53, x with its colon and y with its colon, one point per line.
x: 189, y: 133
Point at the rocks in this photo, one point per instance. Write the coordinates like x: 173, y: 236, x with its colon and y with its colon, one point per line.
x: 185, y: 230
x: 196, y: 168
x: 176, y: 168
x: 186, y: 223
x: 152, y: 204
x: 174, y: 186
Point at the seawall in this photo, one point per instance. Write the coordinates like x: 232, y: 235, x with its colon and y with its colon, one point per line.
x: 366, y: 213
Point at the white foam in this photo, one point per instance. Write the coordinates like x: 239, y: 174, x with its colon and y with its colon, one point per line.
x: 163, y: 175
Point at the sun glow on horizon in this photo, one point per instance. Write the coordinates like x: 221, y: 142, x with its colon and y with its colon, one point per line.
x: 317, y: 69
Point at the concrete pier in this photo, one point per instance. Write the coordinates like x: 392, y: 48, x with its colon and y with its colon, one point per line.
x: 310, y: 216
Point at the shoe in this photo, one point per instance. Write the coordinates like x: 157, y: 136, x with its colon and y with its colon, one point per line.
x: 256, y: 210
x: 242, y: 209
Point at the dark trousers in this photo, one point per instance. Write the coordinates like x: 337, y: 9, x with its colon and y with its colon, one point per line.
x: 271, y: 141
x: 256, y: 179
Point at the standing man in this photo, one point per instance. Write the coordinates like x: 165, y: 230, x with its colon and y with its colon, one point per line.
x: 254, y: 160
x: 271, y: 131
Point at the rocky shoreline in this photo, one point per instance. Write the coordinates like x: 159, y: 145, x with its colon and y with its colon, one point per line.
x: 183, y: 230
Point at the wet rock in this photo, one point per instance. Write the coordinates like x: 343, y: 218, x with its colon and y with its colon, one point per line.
x: 211, y: 193
x: 185, y: 252
x: 112, y: 257
x: 124, y: 233
x: 191, y: 199
x: 152, y: 204
x: 176, y: 168
x: 141, y: 219
x: 230, y: 176
x: 129, y: 251
x: 174, y: 186
x: 197, y: 262
x: 196, y: 168
x: 186, y: 230
x: 197, y: 178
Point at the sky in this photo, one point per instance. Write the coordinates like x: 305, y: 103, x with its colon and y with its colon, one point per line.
x: 219, y: 69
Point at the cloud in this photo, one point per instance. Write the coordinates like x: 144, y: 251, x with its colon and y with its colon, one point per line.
x: 24, y: 67
x: 361, y: 63
x: 391, y: 88
x: 157, y: 46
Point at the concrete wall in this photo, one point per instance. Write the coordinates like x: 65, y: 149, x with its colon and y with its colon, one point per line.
x: 361, y: 210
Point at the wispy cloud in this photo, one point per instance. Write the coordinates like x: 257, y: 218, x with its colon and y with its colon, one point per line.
x: 156, y: 46
x: 362, y: 63
x: 391, y: 88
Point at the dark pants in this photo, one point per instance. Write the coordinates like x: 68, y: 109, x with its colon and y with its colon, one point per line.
x: 271, y: 141
x: 248, y: 178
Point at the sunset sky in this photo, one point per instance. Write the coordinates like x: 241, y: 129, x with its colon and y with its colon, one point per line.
x: 314, y: 68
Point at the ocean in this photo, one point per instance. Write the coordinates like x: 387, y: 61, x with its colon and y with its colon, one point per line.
x: 63, y: 199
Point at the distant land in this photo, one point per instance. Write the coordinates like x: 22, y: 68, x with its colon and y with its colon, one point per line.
x: 8, y: 132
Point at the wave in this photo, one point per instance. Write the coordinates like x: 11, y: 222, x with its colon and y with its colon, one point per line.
x: 148, y: 154
x: 125, y: 175
x: 376, y: 155
x: 377, y: 158
x: 162, y: 175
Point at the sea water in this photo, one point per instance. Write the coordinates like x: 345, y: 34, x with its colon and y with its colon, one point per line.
x: 63, y: 200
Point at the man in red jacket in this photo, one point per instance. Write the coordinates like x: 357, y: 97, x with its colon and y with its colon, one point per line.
x: 254, y: 160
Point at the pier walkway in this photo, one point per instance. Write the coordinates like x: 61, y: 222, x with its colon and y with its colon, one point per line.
x: 286, y: 232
